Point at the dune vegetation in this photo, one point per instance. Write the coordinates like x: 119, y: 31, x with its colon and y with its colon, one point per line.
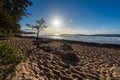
x: 9, y: 58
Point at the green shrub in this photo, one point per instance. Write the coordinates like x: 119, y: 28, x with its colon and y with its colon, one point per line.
x: 10, y: 53
x: 6, y: 35
x: 2, y: 35
x: 9, y: 58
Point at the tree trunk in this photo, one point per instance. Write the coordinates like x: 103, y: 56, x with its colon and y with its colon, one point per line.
x: 37, y: 38
x: 37, y: 35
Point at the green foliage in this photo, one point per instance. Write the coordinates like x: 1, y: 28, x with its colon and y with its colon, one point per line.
x: 3, y: 35
x: 6, y: 35
x: 10, y: 54
x: 39, y: 26
x: 9, y: 58
x: 11, y: 12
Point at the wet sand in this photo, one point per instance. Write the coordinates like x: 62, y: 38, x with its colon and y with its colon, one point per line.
x: 96, y: 61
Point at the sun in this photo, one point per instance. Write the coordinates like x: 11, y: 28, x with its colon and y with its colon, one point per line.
x: 56, y: 22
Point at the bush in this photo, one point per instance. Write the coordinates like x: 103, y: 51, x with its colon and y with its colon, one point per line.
x: 9, y: 58
x: 6, y: 35
x: 9, y: 53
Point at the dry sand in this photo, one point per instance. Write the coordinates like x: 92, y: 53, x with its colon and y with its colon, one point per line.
x: 96, y: 62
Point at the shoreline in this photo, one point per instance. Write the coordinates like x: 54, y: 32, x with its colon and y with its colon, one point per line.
x: 91, y: 44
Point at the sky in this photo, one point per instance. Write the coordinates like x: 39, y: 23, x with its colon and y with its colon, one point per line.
x: 76, y: 16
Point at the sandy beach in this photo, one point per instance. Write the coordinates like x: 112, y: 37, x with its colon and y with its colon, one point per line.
x: 66, y: 60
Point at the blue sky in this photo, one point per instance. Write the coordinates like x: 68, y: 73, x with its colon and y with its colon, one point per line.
x: 77, y: 16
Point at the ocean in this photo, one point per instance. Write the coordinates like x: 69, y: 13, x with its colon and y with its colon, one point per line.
x: 102, y: 39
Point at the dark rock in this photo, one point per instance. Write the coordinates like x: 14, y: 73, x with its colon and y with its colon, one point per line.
x: 66, y: 47
x: 71, y: 57
x: 46, y: 48
x: 57, y: 52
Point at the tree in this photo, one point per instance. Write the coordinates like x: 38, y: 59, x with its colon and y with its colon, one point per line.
x: 11, y: 12
x: 39, y: 26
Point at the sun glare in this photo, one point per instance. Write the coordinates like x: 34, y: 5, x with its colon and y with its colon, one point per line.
x: 56, y: 34
x: 56, y: 22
